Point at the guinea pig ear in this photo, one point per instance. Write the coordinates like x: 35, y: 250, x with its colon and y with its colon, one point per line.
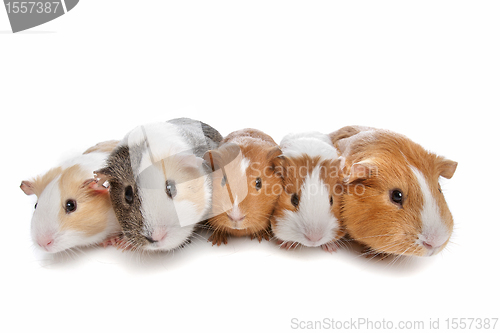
x: 447, y: 168
x: 212, y: 158
x: 272, y: 153
x: 27, y: 187
x: 96, y: 185
x: 279, y: 165
x: 361, y: 171
x: 190, y: 160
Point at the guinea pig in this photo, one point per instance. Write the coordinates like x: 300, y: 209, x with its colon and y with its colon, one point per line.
x: 307, y: 212
x: 72, y: 209
x: 392, y: 200
x: 245, y: 187
x: 159, y: 184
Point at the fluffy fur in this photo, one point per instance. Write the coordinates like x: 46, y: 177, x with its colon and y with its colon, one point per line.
x: 53, y: 228
x: 307, y: 211
x: 245, y: 188
x: 139, y: 172
x: 377, y: 162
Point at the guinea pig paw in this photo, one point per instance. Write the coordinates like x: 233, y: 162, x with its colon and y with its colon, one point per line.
x: 330, y: 247
x: 217, y: 238
x: 263, y: 234
x: 287, y: 245
x: 110, y: 241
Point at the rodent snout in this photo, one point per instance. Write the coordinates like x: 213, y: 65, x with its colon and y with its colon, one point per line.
x: 157, y: 235
x: 46, y: 242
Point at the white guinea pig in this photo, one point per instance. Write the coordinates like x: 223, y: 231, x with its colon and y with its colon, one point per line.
x: 72, y: 210
x: 307, y: 211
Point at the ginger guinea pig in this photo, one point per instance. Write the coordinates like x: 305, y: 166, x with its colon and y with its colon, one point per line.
x: 71, y: 209
x: 245, y: 188
x: 159, y: 183
x: 307, y: 212
x: 392, y: 201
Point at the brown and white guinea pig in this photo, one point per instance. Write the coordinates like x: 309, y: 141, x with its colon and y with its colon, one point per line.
x: 160, y: 185
x: 308, y: 211
x: 245, y: 188
x: 392, y: 201
x: 71, y: 209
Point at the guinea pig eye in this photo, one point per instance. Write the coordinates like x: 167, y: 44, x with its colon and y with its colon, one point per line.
x: 70, y: 206
x: 397, y: 197
x: 294, y: 199
x: 171, y: 189
x: 331, y: 200
x: 258, y: 183
x: 36, y: 205
x: 129, y: 194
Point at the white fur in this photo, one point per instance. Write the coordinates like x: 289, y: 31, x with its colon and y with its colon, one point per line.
x: 434, y: 231
x: 245, y: 162
x: 310, y: 143
x: 313, y: 218
x: 45, y: 223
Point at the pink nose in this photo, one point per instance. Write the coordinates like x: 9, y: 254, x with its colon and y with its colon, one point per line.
x: 427, y: 245
x: 45, y: 242
x: 159, y: 235
x: 314, y: 237
x: 236, y: 217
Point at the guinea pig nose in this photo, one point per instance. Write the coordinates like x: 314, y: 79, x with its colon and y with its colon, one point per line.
x: 428, y: 246
x: 157, y: 236
x: 45, y: 242
x: 313, y: 237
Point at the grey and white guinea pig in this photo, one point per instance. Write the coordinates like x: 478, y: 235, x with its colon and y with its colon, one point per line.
x: 392, y: 201
x: 160, y: 185
x: 308, y: 211
x: 72, y: 209
x: 245, y: 187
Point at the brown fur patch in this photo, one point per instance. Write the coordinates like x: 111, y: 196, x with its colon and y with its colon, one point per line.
x: 40, y: 182
x: 91, y: 215
x: 260, y: 150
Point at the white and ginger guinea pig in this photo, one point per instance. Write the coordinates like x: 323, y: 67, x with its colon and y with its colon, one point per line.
x: 392, y: 201
x: 72, y: 209
x: 159, y: 183
x: 307, y: 212
x: 245, y: 188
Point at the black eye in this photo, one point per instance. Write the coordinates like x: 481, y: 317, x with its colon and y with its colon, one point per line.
x: 258, y: 183
x: 331, y: 200
x: 70, y: 206
x: 171, y: 189
x: 36, y: 205
x: 223, y: 181
x: 439, y: 188
x: 129, y: 194
x: 295, y: 199
x: 397, y: 197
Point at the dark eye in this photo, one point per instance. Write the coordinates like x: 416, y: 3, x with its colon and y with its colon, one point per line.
x: 439, y: 188
x: 295, y: 199
x: 171, y: 189
x: 223, y: 181
x: 70, y: 206
x: 129, y: 194
x: 331, y: 200
x: 36, y: 205
x: 397, y: 197
x: 258, y: 183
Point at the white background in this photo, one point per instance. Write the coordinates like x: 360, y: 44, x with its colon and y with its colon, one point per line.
x: 427, y: 69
